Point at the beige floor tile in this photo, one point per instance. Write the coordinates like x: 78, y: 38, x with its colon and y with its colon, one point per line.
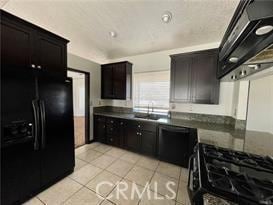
x: 140, y: 175
x: 105, y: 202
x: 93, y: 145
x: 104, y: 177
x: 163, y: 184
x: 116, y: 152
x: 81, y: 149
x: 155, y: 199
x: 184, y: 175
x: 182, y: 193
x: 103, y: 161
x: 89, y: 155
x: 120, y: 167
x: 85, y: 174
x: 102, y: 148
x: 130, y: 157
x: 33, y: 201
x: 79, y: 164
x: 84, y: 197
x: 148, y: 163
x: 169, y: 169
x: 125, y: 197
x: 59, y: 192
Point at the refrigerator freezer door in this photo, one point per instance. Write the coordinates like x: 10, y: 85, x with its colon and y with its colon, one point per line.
x: 57, y: 134
x: 20, y: 162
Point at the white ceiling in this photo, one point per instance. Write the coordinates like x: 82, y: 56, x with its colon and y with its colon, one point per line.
x: 86, y: 23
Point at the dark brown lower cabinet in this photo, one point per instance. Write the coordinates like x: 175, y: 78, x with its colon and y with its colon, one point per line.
x: 136, y: 136
x: 132, y: 138
x: 99, y: 129
x: 148, y: 143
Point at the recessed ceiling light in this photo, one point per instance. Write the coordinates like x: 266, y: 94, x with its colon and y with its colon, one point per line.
x: 166, y: 17
x: 254, y: 67
x: 233, y: 59
x: 113, y: 34
x: 264, y: 30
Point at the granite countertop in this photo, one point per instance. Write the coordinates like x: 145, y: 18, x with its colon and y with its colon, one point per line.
x: 173, y: 122
x: 222, y: 135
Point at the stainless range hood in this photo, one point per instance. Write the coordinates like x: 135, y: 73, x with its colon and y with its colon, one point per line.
x: 261, y: 61
x: 247, y: 46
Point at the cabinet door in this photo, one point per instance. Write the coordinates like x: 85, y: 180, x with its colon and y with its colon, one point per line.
x: 180, y: 79
x: 148, y: 142
x: 16, y: 44
x: 122, y: 133
x: 205, y: 85
x: 52, y: 54
x: 119, y: 81
x: 132, y: 141
x: 107, y: 82
x: 100, y: 129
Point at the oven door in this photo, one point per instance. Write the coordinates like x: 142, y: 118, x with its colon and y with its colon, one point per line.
x: 194, y: 190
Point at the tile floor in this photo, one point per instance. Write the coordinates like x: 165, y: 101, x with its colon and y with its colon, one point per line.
x: 96, y: 163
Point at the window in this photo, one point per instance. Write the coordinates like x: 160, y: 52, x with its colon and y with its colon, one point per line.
x: 152, y: 88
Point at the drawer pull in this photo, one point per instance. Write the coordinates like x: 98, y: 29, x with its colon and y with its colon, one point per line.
x: 139, y: 126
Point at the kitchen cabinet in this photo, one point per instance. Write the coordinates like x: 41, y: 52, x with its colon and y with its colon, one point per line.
x: 116, y: 81
x: 141, y: 137
x: 148, y: 142
x: 193, y: 77
x: 113, y: 132
x: 134, y: 135
x: 109, y: 130
x: 28, y: 46
x: 99, y: 129
x: 52, y: 53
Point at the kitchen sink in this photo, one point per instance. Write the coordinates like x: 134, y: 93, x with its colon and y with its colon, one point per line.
x: 148, y: 117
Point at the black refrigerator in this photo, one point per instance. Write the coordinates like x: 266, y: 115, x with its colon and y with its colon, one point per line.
x: 37, y: 132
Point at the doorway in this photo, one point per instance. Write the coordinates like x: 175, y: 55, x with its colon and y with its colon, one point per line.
x: 81, y: 83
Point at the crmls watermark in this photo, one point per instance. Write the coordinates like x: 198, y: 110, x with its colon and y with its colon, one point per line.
x: 123, y: 190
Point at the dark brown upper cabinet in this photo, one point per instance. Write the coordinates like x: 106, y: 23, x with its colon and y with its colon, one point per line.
x: 193, y: 77
x: 28, y: 46
x: 116, y: 81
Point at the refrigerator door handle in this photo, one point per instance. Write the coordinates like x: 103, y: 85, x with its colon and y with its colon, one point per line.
x: 36, y: 123
x: 43, y: 124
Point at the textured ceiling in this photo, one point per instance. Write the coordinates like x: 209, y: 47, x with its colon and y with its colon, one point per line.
x: 86, y: 23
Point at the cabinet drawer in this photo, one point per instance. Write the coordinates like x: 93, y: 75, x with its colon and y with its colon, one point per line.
x: 141, y: 125
x: 99, y: 118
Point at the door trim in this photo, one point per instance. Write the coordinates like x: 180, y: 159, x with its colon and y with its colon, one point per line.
x: 87, y: 98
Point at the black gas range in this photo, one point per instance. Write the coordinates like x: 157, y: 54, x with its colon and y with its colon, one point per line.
x: 222, y: 176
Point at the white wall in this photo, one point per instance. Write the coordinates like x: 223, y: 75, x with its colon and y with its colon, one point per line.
x: 240, y: 100
x: 93, y: 68
x: 157, y: 61
x: 260, y: 107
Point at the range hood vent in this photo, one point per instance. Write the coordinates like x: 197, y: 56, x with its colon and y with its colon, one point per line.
x: 248, y: 42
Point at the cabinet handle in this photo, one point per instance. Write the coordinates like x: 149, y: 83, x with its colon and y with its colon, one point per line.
x: 39, y: 67
x: 139, y: 126
x: 140, y: 134
x: 121, y: 123
x: 33, y: 66
x: 112, y: 121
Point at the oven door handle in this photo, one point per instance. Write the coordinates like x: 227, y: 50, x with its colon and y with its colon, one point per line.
x: 190, y: 169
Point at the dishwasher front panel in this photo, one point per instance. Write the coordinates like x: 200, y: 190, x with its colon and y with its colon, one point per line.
x: 175, y: 144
